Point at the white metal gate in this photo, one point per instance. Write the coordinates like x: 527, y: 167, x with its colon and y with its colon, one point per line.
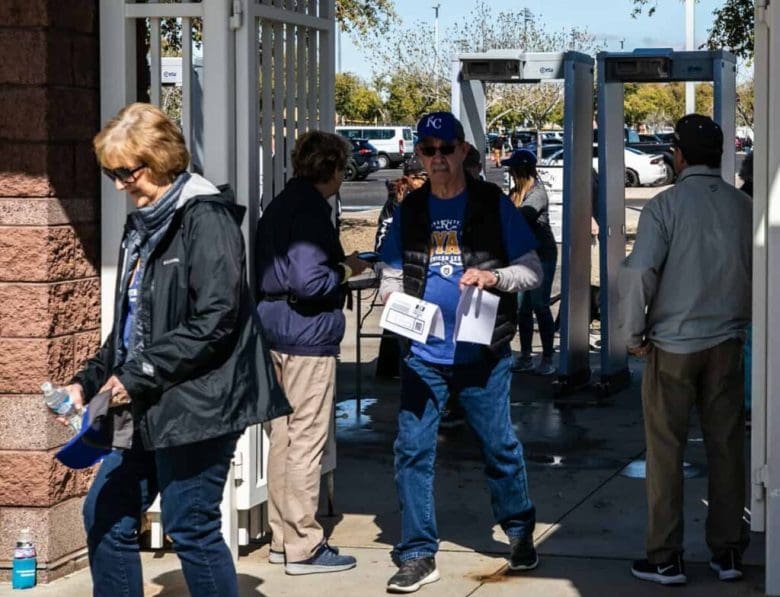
x: 267, y: 75
x: 765, y: 440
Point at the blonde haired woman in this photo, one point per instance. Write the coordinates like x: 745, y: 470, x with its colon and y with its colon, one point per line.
x: 530, y: 196
x: 184, y: 361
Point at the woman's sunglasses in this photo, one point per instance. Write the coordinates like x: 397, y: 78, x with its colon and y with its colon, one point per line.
x: 430, y: 151
x: 123, y: 175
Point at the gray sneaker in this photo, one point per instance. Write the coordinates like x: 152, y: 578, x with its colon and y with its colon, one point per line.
x: 325, y: 559
x: 545, y: 367
x: 524, y: 363
x: 522, y: 554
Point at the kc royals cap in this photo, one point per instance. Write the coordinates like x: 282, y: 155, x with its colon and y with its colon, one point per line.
x: 94, y: 440
x: 442, y: 125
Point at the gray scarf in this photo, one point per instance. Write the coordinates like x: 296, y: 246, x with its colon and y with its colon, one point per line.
x: 147, y: 227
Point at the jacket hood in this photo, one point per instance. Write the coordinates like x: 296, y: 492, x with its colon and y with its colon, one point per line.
x: 198, y: 189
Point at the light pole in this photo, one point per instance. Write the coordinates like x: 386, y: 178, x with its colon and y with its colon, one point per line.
x: 528, y: 16
x: 690, y: 87
x: 436, y: 6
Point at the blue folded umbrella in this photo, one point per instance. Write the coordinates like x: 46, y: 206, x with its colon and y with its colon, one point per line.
x: 94, y: 440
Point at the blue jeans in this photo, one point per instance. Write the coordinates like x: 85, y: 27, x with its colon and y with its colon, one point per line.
x: 483, y: 390
x: 190, y: 480
x: 537, y: 301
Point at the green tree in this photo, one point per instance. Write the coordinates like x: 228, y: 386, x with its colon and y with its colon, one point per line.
x: 363, y: 17
x: 355, y: 101
x: 414, y: 70
x: 733, y: 27
x: 745, y: 98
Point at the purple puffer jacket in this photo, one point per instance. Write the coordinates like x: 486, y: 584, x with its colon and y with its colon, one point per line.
x: 300, y: 282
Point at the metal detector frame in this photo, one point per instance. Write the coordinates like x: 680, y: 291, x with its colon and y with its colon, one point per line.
x: 470, y: 72
x: 643, y: 66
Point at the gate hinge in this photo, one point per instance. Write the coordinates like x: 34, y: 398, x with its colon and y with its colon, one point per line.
x: 761, y: 476
x: 236, y: 15
x: 238, y: 466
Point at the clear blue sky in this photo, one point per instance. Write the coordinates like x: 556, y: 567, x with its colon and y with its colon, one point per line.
x: 609, y: 20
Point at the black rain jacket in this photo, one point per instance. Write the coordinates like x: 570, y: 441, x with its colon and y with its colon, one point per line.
x: 204, y: 371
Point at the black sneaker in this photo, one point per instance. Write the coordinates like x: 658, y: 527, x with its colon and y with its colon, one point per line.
x: 412, y: 574
x: 522, y: 554
x: 728, y: 566
x: 671, y: 572
x: 450, y: 419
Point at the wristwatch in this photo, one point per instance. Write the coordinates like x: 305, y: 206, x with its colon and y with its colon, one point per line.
x: 497, y: 274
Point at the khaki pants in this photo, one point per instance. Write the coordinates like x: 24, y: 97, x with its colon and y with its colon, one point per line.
x: 294, y: 460
x: 672, y: 384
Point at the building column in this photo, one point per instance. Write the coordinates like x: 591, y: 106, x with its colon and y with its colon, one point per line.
x: 49, y: 264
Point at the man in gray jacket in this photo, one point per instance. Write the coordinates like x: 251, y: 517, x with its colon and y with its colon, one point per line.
x: 685, y: 298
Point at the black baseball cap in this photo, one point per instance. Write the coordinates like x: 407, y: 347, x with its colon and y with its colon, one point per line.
x: 699, y: 138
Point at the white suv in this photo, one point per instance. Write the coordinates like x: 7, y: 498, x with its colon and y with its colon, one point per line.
x: 394, y: 144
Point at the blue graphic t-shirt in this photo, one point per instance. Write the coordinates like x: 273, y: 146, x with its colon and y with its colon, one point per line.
x: 445, y: 268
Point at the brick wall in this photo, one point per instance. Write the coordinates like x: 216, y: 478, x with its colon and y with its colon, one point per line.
x: 49, y: 263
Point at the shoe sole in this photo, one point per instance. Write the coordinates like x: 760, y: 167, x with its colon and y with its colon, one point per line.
x: 524, y: 567
x: 275, y: 558
x: 680, y: 579
x: 726, y: 574
x: 301, y: 569
x: 432, y: 577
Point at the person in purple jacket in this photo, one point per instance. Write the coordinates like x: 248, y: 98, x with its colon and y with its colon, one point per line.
x: 301, y: 274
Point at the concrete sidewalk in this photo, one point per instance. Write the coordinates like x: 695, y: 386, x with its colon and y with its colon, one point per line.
x: 591, y: 518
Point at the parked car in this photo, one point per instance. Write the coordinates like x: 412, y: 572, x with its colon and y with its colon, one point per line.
x: 393, y: 143
x: 363, y: 160
x: 641, y: 168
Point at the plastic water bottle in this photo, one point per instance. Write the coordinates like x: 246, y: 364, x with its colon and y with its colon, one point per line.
x: 60, y: 403
x: 23, y: 570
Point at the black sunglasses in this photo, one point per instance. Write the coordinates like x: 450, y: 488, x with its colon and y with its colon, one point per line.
x: 430, y: 150
x: 123, y: 175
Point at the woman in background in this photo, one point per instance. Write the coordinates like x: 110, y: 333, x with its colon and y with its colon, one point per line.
x: 530, y: 196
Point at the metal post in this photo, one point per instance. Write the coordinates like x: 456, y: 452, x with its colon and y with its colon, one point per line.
x: 117, y: 89
x: 218, y: 93
x: 358, y: 364
x: 612, y: 229
x: 767, y: 127
x: 724, y: 110
x: 574, y: 359
x: 690, y: 44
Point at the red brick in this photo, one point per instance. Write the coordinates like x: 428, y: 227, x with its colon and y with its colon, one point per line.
x: 34, y: 211
x: 73, y: 114
x: 86, y: 259
x: 86, y: 174
x: 24, y: 53
x: 36, y: 254
x: 73, y: 15
x: 85, y: 346
x: 36, y: 478
x: 59, y: 64
x: 74, y: 306
x: 36, y: 170
x: 57, y: 532
x: 44, y: 310
x: 26, y: 363
x: 24, y: 13
x: 23, y: 113
x: 85, y: 62
x: 40, y: 430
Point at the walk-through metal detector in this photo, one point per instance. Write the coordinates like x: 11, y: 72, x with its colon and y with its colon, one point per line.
x: 643, y: 66
x: 470, y: 72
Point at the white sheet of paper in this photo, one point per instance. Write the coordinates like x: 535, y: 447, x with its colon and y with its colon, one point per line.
x: 412, y: 318
x: 475, y: 317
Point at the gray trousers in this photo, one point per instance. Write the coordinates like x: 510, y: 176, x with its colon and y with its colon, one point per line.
x: 672, y: 384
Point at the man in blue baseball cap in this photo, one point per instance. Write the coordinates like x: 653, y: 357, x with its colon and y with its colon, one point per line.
x: 453, y: 232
